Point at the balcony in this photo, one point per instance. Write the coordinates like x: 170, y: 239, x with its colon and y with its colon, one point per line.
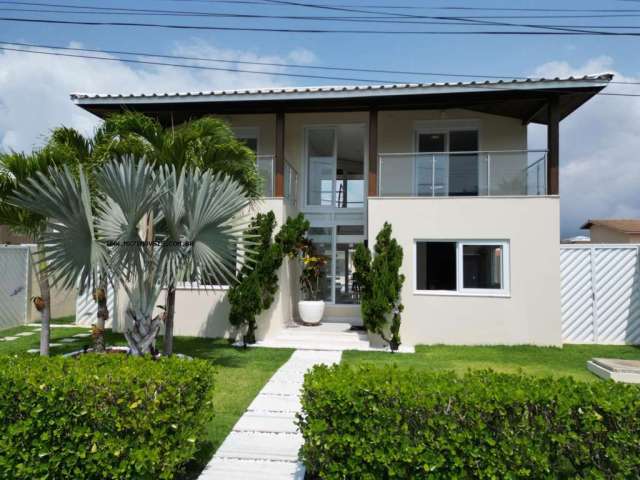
x: 473, y: 174
x: 266, y: 169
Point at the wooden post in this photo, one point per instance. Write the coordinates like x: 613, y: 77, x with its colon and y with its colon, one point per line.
x: 553, y: 146
x: 279, y: 160
x: 373, y: 153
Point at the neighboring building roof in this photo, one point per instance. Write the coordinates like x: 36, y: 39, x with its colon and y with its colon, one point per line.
x: 629, y: 225
x: 525, y: 99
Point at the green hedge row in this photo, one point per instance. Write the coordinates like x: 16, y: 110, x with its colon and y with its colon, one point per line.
x: 101, y: 416
x: 381, y: 423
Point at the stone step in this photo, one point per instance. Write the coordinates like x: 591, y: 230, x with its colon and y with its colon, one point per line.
x: 238, y: 469
x: 276, y: 422
x: 261, y: 446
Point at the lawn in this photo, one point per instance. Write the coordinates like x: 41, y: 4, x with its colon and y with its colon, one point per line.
x: 241, y: 374
x: 541, y: 361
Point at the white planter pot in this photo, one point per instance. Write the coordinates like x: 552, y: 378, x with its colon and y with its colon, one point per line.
x: 311, y: 312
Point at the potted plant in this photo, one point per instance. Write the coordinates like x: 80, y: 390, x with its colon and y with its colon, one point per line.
x: 311, y: 307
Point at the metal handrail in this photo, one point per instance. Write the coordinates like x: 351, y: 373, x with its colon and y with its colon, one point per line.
x: 461, y: 152
x: 540, y: 187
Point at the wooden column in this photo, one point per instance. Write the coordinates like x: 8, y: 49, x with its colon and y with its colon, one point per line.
x: 279, y: 159
x: 373, y: 153
x: 553, y: 146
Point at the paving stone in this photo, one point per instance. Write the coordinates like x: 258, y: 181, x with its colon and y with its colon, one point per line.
x: 81, y: 335
x: 243, y: 469
x: 9, y: 339
x: 69, y: 340
x: 55, y: 344
x: 261, y: 446
x: 265, y: 442
x: 276, y: 422
x: 33, y: 350
x: 25, y: 334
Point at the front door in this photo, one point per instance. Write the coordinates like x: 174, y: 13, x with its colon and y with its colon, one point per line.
x: 338, y: 243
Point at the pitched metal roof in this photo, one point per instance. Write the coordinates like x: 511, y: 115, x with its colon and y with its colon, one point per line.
x: 349, y: 91
x: 624, y: 225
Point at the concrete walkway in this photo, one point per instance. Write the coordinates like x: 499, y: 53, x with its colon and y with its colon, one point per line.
x: 264, y: 443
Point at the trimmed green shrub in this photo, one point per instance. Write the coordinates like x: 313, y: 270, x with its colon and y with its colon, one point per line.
x: 101, y: 416
x: 380, y: 423
x: 258, y: 279
x: 380, y: 284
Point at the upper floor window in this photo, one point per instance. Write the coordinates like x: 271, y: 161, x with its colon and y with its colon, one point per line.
x: 453, y: 169
x: 335, y: 166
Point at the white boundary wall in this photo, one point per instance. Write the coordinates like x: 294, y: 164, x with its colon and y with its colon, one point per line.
x: 600, y: 293
x: 14, y: 286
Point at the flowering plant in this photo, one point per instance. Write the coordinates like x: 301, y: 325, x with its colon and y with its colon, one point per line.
x: 312, y: 272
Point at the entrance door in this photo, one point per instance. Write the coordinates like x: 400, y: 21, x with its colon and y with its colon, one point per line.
x: 338, y: 244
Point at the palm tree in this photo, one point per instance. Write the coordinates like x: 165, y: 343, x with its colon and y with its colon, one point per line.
x: 207, y: 143
x: 15, y: 170
x: 82, y: 240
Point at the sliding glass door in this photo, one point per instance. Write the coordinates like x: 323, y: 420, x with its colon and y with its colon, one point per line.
x: 338, y: 243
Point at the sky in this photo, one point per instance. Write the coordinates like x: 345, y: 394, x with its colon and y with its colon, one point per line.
x: 600, y: 143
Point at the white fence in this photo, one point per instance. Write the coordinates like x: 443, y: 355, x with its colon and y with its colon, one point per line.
x: 600, y: 293
x: 14, y: 286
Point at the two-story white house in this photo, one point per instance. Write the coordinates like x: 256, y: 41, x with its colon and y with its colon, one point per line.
x: 476, y: 212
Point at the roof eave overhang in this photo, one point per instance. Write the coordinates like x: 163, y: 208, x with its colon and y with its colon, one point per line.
x: 526, y: 100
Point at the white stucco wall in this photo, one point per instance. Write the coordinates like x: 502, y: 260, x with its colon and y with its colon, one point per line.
x: 530, y: 314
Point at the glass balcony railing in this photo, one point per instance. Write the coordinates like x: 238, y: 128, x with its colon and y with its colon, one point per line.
x: 265, y: 170
x: 449, y: 174
x: 290, y: 184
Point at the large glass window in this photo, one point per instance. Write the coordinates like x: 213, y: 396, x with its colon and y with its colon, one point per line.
x: 462, y: 266
x: 335, y: 173
x: 447, y: 173
x: 321, y: 162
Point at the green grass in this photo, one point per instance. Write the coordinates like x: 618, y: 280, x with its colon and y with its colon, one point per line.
x: 541, y: 361
x: 22, y: 344
x: 240, y: 374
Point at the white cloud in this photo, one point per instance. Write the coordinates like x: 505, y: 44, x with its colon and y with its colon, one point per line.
x: 34, y: 89
x: 599, y: 150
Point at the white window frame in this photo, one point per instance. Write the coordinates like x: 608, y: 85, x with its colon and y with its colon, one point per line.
x: 505, y: 291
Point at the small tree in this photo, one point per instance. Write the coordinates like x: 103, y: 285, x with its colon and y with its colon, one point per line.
x: 16, y: 169
x: 380, y: 283
x: 258, y: 279
x: 80, y: 243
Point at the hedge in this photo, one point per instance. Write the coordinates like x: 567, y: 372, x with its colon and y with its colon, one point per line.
x: 381, y: 422
x: 101, y: 416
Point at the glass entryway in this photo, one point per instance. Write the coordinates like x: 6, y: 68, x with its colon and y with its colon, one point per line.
x: 338, y: 244
x: 335, y: 203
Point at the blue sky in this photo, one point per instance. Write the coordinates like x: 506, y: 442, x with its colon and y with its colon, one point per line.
x: 600, y: 169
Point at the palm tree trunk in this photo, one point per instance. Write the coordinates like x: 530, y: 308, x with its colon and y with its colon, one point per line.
x: 102, y: 315
x: 45, y: 313
x: 170, y: 305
